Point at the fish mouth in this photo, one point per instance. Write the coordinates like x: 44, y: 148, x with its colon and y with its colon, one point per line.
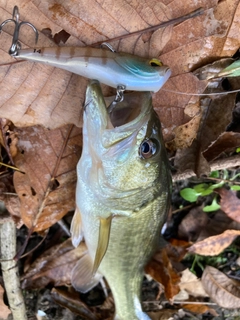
x: 129, y: 110
x: 125, y: 115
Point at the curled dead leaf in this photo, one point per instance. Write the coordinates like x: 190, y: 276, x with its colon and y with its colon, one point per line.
x: 54, y: 266
x: 230, y: 203
x: 161, y: 270
x: 212, y: 246
x: 221, y: 289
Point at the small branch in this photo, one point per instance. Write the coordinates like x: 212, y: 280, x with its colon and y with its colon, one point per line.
x: 10, y: 270
x: 164, y: 24
x: 220, y: 164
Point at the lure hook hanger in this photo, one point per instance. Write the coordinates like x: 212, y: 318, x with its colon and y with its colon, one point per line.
x: 16, y: 46
x: 119, y: 98
x: 120, y: 88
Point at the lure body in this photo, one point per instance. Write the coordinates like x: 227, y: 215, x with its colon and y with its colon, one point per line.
x: 108, y: 67
x: 122, y: 197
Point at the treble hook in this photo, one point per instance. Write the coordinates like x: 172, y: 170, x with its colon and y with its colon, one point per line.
x: 16, y: 46
x: 119, y: 98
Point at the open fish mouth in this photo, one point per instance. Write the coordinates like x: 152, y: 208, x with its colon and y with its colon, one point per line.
x: 128, y: 115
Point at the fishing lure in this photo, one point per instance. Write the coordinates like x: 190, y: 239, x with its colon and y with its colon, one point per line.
x: 116, y: 69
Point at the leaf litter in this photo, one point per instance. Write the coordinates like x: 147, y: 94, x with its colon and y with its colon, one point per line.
x: 47, y: 188
x: 193, y: 127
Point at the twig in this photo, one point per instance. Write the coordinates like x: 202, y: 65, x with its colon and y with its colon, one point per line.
x: 220, y: 164
x: 164, y: 24
x: 10, y: 270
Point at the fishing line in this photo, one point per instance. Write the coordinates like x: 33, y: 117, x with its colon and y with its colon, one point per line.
x: 200, y: 94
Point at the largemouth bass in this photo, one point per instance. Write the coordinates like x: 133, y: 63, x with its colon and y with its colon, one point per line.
x: 111, y: 68
x: 122, y: 196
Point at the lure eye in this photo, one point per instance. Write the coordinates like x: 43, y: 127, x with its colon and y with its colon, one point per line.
x: 155, y: 63
x: 147, y: 149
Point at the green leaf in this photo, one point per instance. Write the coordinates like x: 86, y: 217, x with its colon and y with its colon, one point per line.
x: 235, y: 187
x: 203, y: 189
x: 238, y: 150
x: 189, y: 194
x: 216, y: 185
x: 213, y: 206
x: 214, y: 174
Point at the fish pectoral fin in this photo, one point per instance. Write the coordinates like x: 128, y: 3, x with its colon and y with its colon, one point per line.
x: 82, y: 277
x: 103, y: 240
x: 76, y: 228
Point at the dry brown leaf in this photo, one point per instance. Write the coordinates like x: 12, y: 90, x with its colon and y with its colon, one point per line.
x: 214, y: 123
x: 177, y: 249
x: 192, y: 159
x: 10, y: 198
x: 39, y: 96
x: 214, y: 245
x: 230, y: 203
x: 72, y: 301
x: 200, y: 309
x: 54, y: 266
x: 162, y: 314
x: 161, y: 270
x: 45, y: 201
x: 41, y: 93
x: 227, y: 141
x: 191, y: 284
x: 217, y: 224
x: 221, y: 289
x: 185, y: 134
x: 192, y: 224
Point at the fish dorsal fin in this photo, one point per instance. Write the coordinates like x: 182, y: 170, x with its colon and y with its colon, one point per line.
x: 103, y: 240
x: 82, y: 278
x: 76, y: 228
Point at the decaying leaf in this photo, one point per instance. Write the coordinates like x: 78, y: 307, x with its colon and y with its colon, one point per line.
x: 214, y: 245
x: 191, y: 159
x: 161, y: 270
x: 212, y: 125
x: 192, y: 224
x: 47, y: 187
x: 227, y: 141
x: 200, y: 309
x: 221, y: 289
x: 162, y: 314
x: 230, y: 203
x: 71, y: 301
x: 54, y: 266
x: 191, y: 284
x: 185, y: 134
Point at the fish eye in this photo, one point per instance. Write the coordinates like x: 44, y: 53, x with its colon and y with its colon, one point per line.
x: 147, y: 149
x: 155, y: 63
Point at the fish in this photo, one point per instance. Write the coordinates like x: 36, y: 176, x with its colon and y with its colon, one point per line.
x: 122, y: 196
x: 111, y: 68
